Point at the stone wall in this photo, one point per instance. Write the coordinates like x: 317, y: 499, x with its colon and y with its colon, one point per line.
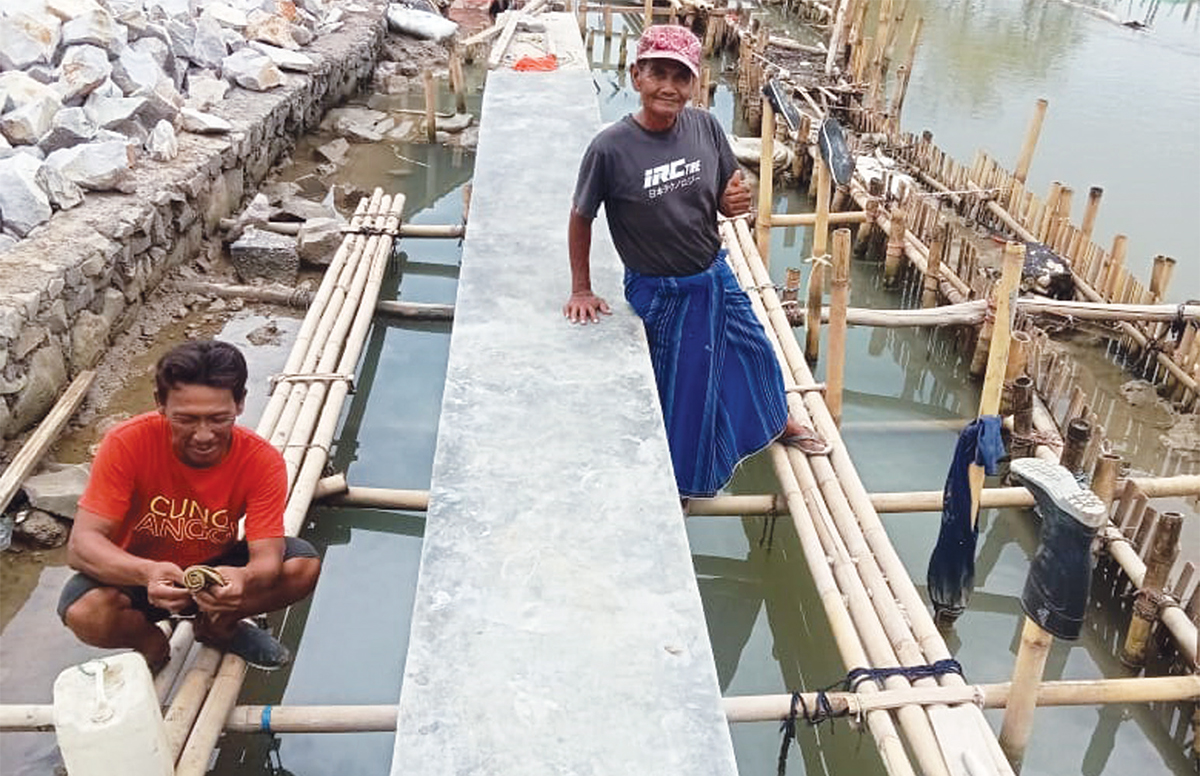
x: 77, y: 280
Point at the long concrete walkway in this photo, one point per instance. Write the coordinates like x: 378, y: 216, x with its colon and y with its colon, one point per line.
x: 557, y: 627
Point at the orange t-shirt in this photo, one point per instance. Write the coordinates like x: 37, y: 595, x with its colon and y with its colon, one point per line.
x: 171, y: 511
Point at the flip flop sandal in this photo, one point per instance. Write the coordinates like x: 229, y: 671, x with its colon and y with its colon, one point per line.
x: 807, y: 441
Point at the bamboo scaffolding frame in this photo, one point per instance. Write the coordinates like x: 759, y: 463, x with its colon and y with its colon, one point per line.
x: 894, y: 596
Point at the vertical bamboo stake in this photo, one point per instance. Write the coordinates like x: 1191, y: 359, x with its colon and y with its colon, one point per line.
x: 430, y: 106
x: 1021, y: 401
x: 623, y: 50
x: 933, y: 266
x: 791, y: 285
x: 903, y: 74
x: 816, y: 273
x: 1089, y: 213
x: 1050, y: 212
x: 1145, y: 607
x: 702, y: 91
x: 989, y: 402
x: 1031, y: 138
x: 1018, y: 355
x: 648, y: 14
x: 1079, y: 433
x: 456, y: 81
x: 839, y: 298
x: 1104, y: 477
x: 1022, y: 697
x: 1062, y: 219
x: 1160, y: 276
x: 608, y: 22
x: 1116, y: 267
x: 895, y: 245
x: 766, y: 181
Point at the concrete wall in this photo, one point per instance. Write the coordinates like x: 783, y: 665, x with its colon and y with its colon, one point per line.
x: 76, y: 281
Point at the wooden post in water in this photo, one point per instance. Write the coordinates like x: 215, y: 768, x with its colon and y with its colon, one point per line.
x: 1116, y: 267
x: 1089, y: 213
x: 895, y: 246
x: 816, y: 273
x: 430, y: 105
x: 1104, y: 477
x: 933, y: 266
x: 1149, y: 597
x: 1021, y: 171
x: 839, y: 299
x: 1022, y: 699
x: 766, y: 181
x: 456, y: 81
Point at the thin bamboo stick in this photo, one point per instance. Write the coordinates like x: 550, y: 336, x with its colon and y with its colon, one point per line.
x: 809, y: 219
x: 766, y: 179
x: 1025, y: 158
x: 1027, y: 674
x: 816, y: 270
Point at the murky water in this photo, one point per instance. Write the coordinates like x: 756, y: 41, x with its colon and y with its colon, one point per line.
x: 981, y: 68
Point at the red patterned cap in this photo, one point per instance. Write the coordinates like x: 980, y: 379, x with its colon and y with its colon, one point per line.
x: 670, y: 41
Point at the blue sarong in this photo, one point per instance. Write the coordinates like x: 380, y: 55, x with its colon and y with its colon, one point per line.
x: 718, y: 379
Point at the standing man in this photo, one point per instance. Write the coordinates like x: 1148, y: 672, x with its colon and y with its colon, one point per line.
x: 166, y: 492
x: 662, y: 174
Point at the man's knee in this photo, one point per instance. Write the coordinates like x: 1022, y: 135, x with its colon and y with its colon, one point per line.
x: 300, y: 575
x: 95, y: 617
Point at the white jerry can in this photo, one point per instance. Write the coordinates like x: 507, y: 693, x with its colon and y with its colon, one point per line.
x: 108, y: 721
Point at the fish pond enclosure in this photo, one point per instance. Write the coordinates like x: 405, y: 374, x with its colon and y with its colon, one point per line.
x: 508, y: 590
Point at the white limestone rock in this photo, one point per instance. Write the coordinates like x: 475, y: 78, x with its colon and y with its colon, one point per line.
x: 226, y: 15
x: 136, y: 72
x: 23, y: 203
x: 181, y: 34
x: 62, y: 192
x: 319, y: 239
x: 161, y: 143
x: 69, y: 9
x: 269, y: 28
x: 171, y: 8
x: 29, y: 124
x: 251, y: 70
x: 97, y: 27
x: 18, y: 89
x: 83, y: 68
x: 205, y: 90
x: 285, y: 59
x: 94, y: 166
x: 71, y: 127
x: 203, y: 123
x: 262, y: 254
x: 208, y: 47
x: 127, y: 115
x: 27, y: 39
x: 334, y: 151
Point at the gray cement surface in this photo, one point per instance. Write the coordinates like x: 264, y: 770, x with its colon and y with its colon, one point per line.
x: 557, y: 627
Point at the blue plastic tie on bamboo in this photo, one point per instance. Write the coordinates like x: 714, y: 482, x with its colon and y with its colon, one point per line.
x: 265, y: 723
x: 951, y: 575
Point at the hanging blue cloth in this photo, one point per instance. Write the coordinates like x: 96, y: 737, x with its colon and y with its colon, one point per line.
x: 951, y: 575
x: 719, y: 382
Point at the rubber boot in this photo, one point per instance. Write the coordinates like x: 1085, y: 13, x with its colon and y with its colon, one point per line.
x: 1056, y: 590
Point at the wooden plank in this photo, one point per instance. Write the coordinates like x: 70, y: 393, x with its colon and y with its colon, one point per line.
x: 47, y: 431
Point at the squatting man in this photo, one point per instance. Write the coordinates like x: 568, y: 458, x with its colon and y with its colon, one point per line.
x: 166, y: 492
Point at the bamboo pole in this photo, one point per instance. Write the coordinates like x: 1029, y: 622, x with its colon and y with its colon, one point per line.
x: 838, y: 299
x: 1025, y: 158
x: 39, y: 441
x: 289, y: 297
x: 1160, y: 276
x: 457, y: 81
x: 810, y: 219
x: 1163, y: 552
x: 816, y: 272
x: 902, y: 76
x: 1089, y: 213
x: 648, y: 14
x: 766, y: 180
x: 430, y: 105
x: 1027, y: 675
x: 897, y: 233
x: 932, y: 277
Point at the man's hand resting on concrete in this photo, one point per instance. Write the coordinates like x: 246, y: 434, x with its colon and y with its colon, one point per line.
x: 585, y: 307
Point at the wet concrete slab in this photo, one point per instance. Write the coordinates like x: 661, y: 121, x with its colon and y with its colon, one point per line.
x: 557, y: 626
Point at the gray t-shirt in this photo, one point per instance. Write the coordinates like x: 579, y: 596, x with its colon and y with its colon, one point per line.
x: 660, y: 191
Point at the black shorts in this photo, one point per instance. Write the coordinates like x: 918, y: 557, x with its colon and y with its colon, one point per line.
x: 237, y: 555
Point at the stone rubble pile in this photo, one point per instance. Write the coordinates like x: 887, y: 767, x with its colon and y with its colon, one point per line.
x: 87, y: 87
